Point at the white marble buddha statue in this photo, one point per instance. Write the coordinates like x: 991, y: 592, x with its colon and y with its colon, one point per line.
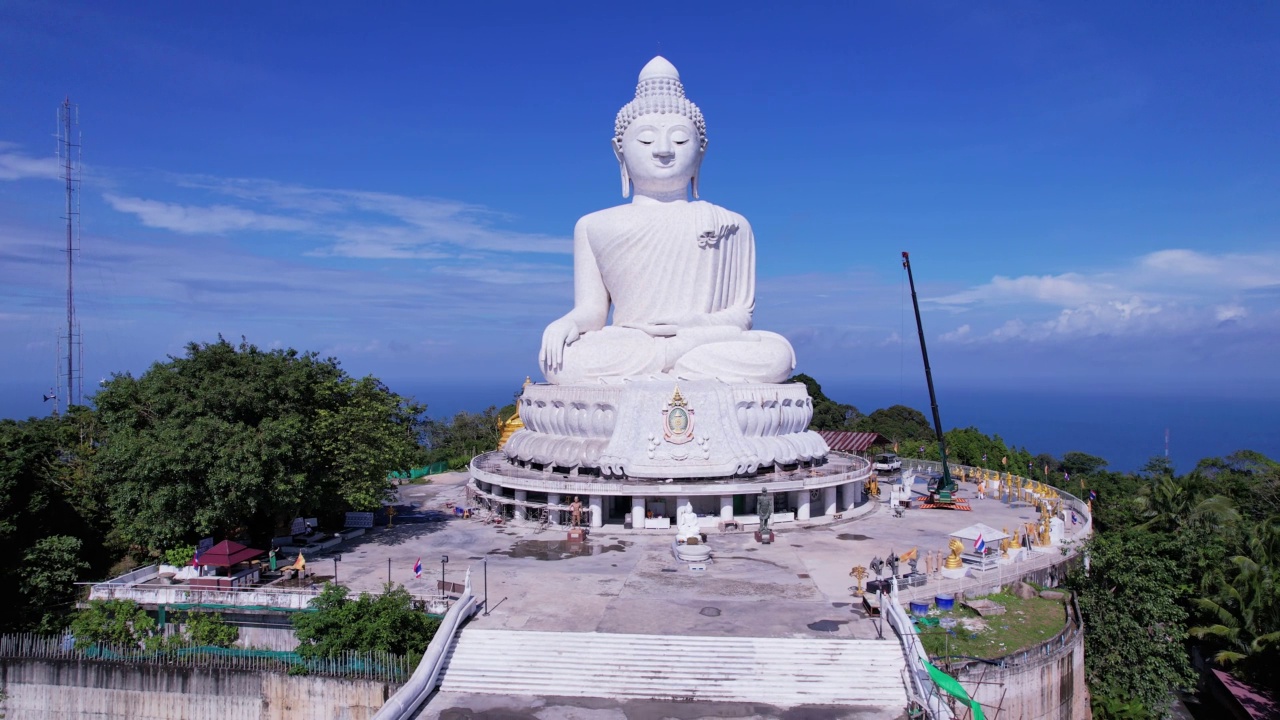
x: 679, y: 274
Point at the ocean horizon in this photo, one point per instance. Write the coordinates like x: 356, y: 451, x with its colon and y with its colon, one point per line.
x: 1125, y: 428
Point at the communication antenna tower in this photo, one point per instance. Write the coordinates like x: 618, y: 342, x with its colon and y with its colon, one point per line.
x: 68, y: 152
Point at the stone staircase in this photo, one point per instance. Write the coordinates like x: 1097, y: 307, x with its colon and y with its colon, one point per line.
x: 779, y: 671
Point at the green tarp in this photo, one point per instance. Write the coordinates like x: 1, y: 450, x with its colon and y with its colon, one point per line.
x: 952, y: 687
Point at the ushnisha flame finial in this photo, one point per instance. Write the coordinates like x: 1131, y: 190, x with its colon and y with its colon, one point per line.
x: 660, y: 91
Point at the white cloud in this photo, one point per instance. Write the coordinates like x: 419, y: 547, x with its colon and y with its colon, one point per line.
x: 1067, y: 289
x: 214, y: 219
x: 356, y: 223
x: 960, y: 334
x: 15, y: 165
x: 1171, y: 293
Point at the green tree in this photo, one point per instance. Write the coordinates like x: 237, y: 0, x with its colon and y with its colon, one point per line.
x: 51, y: 568
x: 370, y: 623
x: 115, y: 622
x: 968, y: 446
x: 827, y: 413
x: 462, y: 437
x: 1135, y: 625
x: 1174, y: 505
x: 209, y: 629
x: 899, y: 423
x: 1080, y: 464
x: 1242, y: 606
x: 47, y: 528
x: 229, y: 438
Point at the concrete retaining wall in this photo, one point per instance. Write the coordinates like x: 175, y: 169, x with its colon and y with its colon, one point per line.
x: 1046, y: 682
x: 71, y: 689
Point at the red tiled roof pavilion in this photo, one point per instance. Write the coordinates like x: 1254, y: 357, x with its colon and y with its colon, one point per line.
x: 226, y: 554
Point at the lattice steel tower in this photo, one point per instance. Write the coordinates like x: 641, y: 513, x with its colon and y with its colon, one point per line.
x: 68, y: 151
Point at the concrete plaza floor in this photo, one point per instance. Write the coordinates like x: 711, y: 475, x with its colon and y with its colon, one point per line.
x: 627, y: 581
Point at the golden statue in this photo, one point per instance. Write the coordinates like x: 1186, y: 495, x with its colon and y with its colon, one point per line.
x: 1005, y: 543
x: 953, y: 561
x: 509, y: 426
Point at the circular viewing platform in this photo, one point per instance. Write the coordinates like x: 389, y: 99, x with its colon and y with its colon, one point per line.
x: 802, y: 492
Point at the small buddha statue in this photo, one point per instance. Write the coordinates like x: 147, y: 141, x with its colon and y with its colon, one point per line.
x: 679, y: 275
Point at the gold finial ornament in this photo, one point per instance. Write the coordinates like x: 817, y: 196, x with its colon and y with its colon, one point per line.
x: 508, y: 427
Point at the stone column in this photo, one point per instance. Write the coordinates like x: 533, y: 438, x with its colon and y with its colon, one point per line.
x: 637, y: 512
x: 553, y: 499
x: 517, y: 511
x: 597, y: 511
x: 847, y: 495
x: 802, y: 504
x: 726, y: 507
x: 829, y: 501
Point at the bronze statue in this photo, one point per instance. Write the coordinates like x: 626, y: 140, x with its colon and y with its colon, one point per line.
x: 575, y: 508
x: 764, y: 509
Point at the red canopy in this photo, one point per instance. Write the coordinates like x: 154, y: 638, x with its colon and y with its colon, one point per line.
x: 226, y: 554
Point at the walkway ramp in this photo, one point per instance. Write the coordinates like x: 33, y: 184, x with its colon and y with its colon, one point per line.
x: 779, y: 671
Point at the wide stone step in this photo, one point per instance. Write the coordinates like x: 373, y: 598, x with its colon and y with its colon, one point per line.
x: 776, y: 670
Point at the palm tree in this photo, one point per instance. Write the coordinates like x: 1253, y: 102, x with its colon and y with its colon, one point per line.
x: 1245, y: 606
x: 1180, y: 504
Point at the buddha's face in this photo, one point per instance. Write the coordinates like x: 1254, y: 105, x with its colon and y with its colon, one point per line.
x: 661, y: 153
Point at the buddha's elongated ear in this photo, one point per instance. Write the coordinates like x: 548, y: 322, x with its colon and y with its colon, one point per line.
x: 697, y: 170
x: 622, y: 167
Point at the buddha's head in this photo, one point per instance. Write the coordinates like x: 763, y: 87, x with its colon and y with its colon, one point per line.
x: 660, y: 136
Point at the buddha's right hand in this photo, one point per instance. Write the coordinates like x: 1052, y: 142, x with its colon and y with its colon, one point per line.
x: 554, y: 338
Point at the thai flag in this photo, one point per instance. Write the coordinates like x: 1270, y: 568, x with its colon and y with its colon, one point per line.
x: 979, y: 545
x: 417, y: 568
x: 195, y: 559
x: 1093, y: 495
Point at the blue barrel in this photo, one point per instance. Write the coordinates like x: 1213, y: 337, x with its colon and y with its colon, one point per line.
x: 945, y: 602
x: 919, y: 607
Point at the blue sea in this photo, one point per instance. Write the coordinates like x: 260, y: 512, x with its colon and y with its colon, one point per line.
x: 1125, y: 428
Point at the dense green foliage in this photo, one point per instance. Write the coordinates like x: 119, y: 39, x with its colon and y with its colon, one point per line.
x: 904, y: 425
x: 231, y: 439
x: 124, y: 623
x: 209, y: 629
x: 461, y: 438
x: 827, y: 413
x: 116, y: 622
x: 370, y: 623
x: 47, y: 525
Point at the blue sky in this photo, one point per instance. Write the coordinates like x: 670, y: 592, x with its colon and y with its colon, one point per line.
x: 1091, y: 194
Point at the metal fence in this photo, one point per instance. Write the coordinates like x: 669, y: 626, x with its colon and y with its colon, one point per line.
x: 352, y: 665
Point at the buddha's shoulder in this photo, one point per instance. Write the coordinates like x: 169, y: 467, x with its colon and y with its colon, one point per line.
x: 604, y: 217
x: 727, y: 216
x: 613, y: 217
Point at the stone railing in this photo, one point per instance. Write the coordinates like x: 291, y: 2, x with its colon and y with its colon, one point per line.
x: 1070, y: 502
x: 405, y: 703
x: 255, y: 598
x: 1044, y: 561
x: 920, y: 687
x: 493, y: 469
